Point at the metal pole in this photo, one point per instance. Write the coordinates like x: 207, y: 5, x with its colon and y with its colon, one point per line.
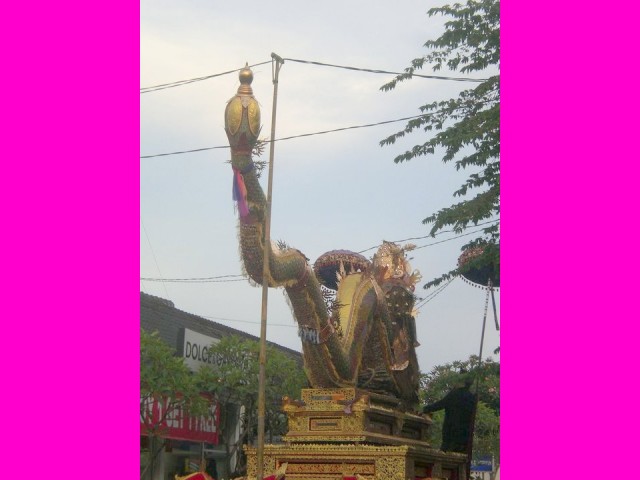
x: 475, y: 407
x: 493, y: 302
x: 275, y: 64
x: 484, y: 320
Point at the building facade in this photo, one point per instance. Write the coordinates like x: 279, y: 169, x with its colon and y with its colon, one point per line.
x: 191, y: 336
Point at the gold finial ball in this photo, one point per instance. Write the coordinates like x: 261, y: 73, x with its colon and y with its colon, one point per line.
x: 246, y: 76
x: 242, y: 115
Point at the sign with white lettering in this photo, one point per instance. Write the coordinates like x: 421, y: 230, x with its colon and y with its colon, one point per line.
x: 483, y: 463
x: 195, y: 348
x: 172, y: 422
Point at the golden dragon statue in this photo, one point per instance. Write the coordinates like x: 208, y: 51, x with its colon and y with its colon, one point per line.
x: 355, y: 315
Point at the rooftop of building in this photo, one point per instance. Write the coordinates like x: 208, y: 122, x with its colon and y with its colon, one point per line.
x: 160, y: 314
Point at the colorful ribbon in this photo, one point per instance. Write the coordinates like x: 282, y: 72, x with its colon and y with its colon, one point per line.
x: 240, y: 193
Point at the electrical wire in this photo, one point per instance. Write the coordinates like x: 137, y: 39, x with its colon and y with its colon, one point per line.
x: 240, y: 278
x: 247, y: 321
x: 184, y: 151
x: 449, y: 239
x: 164, y: 280
x: 435, y: 243
x: 154, y: 256
x: 179, y: 83
x: 432, y: 77
x: 426, y: 236
x: 418, y: 305
x: 432, y: 295
x: 294, y: 136
x: 194, y: 279
x: 232, y: 278
x: 384, y: 122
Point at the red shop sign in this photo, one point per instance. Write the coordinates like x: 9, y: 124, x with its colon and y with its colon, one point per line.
x: 175, y: 424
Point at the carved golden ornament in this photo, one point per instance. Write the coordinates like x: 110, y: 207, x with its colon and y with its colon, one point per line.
x: 298, y: 424
x: 326, y: 424
x: 390, y: 263
x: 246, y: 77
x: 326, y: 399
x: 269, y: 463
x: 354, y: 423
x: 233, y: 115
x: 339, y: 468
x: 251, y: 462
x: 253, y: 113
x: 242, y: 114
x: 348, y: 288
x: 317, y: 438
x: 320, y: 461
x: 391, y: 468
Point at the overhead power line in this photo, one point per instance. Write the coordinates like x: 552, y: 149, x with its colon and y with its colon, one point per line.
x: 179, y: 83
x: 247, y: 321
x: 183, y: 151
x: 154, y: 256
x: 431, y: 296
x: 323, y: 132
x: 421, y: 303
x: 432, y: 77
x: 426, y: 236
x: 240, y: 278
x: 294, y: 136
x: 449, y: 239
x: 221, y: 279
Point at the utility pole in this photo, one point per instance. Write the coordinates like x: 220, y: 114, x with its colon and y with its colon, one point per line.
x: 276, y: 63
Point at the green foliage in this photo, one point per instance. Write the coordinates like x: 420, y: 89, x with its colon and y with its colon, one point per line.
x: 164, y: 377
x: 235, y: 377
x: 468, y: 127
x: 486, y: 438
x: 234, y: 381
x: 443, y: 378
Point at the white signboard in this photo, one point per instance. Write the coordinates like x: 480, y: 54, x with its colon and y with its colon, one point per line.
x: 195, y: 348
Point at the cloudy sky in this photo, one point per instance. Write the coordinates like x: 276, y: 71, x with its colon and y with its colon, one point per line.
x: 333, y: 191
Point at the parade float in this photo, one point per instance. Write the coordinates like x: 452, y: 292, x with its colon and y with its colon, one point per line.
x: 357, y: 328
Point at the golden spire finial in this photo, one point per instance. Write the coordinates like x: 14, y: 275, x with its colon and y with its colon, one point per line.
x: 242, y: 115
x: 246, y: 77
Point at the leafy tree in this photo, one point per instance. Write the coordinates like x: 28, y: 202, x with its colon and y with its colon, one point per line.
x: 468, y: 127
x: 165, y: 379
x: 234, y: 381
x: 443, y: 378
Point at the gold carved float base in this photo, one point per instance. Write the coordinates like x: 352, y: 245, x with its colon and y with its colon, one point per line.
x: 348, y: 415
x: 335, y: 433
x: 373, y: 462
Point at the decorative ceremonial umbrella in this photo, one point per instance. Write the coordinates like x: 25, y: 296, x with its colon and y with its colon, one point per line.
x: 476, y: 270
x: 477, y: 267
x: 328, y: 265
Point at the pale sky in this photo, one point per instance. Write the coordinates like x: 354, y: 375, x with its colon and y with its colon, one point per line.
x: 334, y: 191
